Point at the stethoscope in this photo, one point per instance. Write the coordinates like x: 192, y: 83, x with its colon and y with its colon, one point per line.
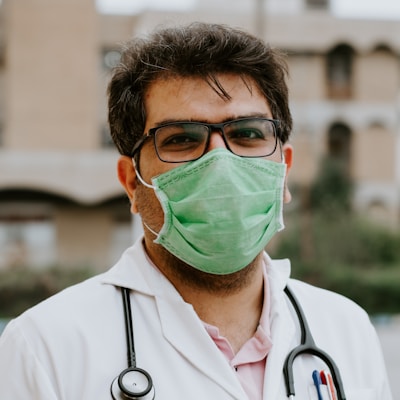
x: 307, y: 346
x: 132, y: 383
x: 135, y: 383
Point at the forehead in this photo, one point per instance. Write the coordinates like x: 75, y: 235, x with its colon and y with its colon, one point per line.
x: 194, y: 99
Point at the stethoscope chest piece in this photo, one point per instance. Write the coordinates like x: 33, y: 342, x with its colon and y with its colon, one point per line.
x: 133, y: 383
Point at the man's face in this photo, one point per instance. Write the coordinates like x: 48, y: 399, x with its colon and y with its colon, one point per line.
x: 188, y: 99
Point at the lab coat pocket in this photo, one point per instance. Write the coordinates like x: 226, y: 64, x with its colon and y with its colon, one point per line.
x: 362, y: 394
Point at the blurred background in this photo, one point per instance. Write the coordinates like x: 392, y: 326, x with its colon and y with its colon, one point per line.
x: 63, y: 214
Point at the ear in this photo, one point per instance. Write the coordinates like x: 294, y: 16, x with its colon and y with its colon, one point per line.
x: 127, y: 178
x: 288, y: 154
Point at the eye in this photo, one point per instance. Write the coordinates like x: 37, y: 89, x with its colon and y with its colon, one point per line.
x: 246, y: 133
x: 250, y: 132
x: 178, y: 137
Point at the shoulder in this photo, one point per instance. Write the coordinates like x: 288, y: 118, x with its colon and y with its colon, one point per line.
x: 82, y: 294
x: 319, y: 303
x: 329, y: 311
x: 314, y: 295
x: 64, y: 311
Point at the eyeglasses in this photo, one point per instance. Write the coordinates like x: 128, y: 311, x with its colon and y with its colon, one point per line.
x: 187, y: 141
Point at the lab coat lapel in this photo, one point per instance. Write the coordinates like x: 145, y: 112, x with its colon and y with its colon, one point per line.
x: 283, y: 330
x: 185, y: 331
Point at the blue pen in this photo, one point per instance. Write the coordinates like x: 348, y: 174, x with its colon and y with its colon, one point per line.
x: 317, y: 382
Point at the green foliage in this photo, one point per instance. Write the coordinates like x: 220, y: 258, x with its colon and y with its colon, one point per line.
x: 333, y: 187
x: 22, y: 288
x: 332, y: 247
x: 375, y: 289
x: 346, y: 254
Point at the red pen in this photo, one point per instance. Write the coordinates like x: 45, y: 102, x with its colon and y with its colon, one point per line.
x: 326, y: 379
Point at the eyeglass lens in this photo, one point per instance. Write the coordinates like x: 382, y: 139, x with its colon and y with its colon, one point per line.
x: 186, y: 141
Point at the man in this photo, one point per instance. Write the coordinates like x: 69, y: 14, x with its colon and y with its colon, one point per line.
x: 200, y: 116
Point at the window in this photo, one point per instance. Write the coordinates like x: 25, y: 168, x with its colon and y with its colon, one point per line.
x: 339, y: 72
x: 339, y: 143
x: 318, y: 4
x: 125, y: 227
x: 378, y: 211
x: 27, y: 239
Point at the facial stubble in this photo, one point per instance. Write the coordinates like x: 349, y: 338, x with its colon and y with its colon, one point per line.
x: 176, y: 269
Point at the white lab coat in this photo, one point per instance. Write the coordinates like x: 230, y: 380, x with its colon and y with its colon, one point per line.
x: 73, y: 345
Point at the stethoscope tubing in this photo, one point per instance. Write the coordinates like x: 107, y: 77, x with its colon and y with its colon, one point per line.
x: 129, y: 328
x: 307, y: 346
x: 128, y: 385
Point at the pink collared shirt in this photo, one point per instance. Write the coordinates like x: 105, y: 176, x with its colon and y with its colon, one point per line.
x: 249, y: 361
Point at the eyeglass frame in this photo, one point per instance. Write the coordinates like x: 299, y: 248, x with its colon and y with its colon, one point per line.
x: 151, y: 133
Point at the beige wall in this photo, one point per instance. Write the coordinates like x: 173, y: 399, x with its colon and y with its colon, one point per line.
x: 374, y: 156
x: 303, y: 69
x: 376, y: 77
x: 51, y: 89
x: 305, y: 161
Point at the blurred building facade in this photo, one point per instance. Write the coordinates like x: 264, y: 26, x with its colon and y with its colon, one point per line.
x: 60, y: 201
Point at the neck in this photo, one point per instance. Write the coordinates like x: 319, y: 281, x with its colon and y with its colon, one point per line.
x: 232, y: 302
x: 236, y: 314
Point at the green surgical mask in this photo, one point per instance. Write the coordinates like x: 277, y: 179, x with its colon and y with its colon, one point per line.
x: 221, y: 210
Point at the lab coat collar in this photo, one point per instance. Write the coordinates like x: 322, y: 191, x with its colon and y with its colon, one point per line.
x: 283, y: 328
x: 196, y: 345
x: 135, y: 271
x: 278, y: 272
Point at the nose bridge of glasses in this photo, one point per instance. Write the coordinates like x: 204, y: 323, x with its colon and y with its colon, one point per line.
x: 216, y: 137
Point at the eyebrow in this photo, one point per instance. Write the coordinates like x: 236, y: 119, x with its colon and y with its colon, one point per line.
x: 205, y: 121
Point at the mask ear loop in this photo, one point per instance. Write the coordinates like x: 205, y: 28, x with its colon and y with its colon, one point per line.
x: 150, y: 187
x: 139, y: 176
x: 282, y: 154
